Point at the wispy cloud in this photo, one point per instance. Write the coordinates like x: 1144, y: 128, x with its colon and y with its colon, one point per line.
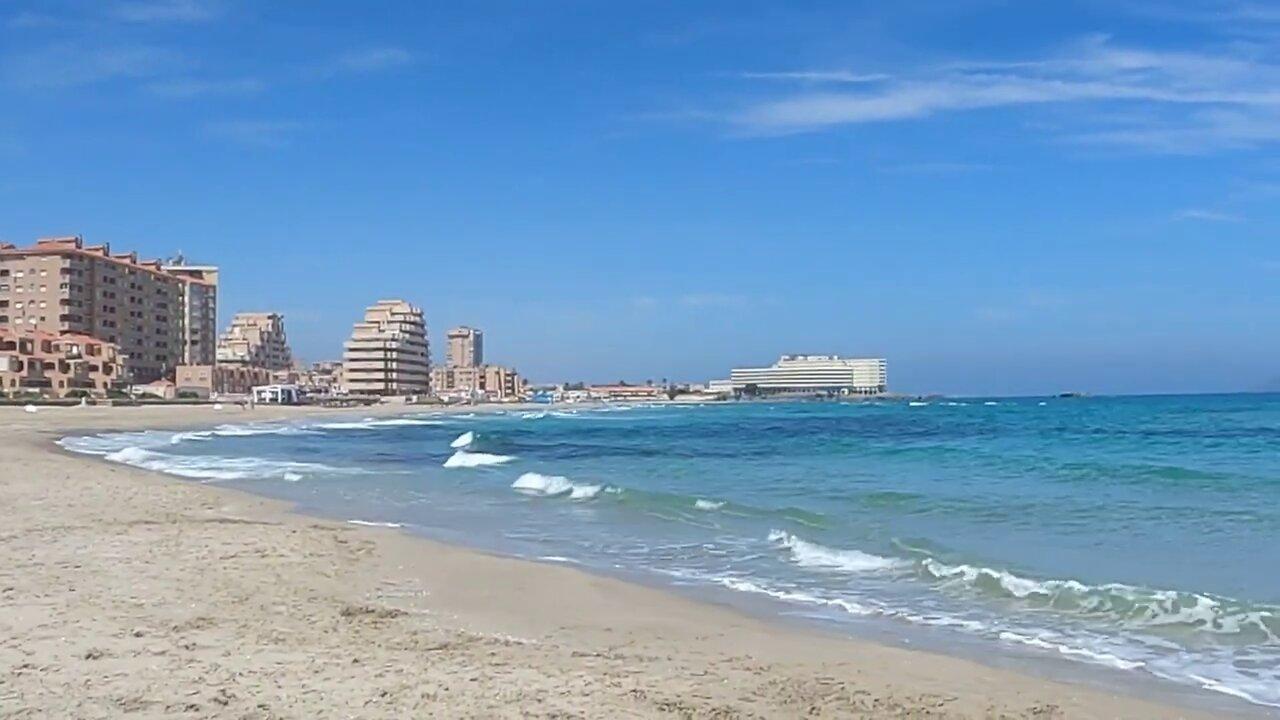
x: 372, y: 59
x: 1200, y: 101
x: 189, y: 88
x: 937, y: 168
x: 696, y: 300
x: 30, y: 20
x: 70, y: 64
x: 818, y: 76
x: 165, y: 11
x: 254, y: 133
x: 1202, y: 215
x: 713, y: 300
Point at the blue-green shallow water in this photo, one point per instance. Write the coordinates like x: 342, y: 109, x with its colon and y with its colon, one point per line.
x: 1136, y: 534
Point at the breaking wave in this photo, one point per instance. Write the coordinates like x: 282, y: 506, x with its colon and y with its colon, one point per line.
x: 374, y: 423
x: 807, y: 554
x: 212, y: 467
x: 532, y: 483
x: 370, y: 523
x: 464, y: 459
x: 463, y: 440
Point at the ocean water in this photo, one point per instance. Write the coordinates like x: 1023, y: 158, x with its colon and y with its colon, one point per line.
x: 1140, y: 536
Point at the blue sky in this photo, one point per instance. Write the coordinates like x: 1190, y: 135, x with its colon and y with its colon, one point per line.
x: 999, y: 197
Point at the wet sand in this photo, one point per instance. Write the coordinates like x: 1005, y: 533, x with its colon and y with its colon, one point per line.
x: 124, y: 592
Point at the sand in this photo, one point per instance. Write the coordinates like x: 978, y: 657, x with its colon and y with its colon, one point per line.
x: 124, y: 592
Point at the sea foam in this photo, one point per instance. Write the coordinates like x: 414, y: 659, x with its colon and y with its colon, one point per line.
x: 211, y: 467
x: 464, y: 459
x: 808, y: 554
x: 463, y: 440
x: 532, y: 483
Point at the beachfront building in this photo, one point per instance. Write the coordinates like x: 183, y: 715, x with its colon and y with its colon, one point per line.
x: 255, y: 339
x: 206, y: 381
x: 813, y: 375
x: 388, y: 353
x: 200, y: 310
x: 56, y: 365
x: 465, y: 347
x: 623, y: 392
x: 318, y: 378
x: 61, y: 286
x: 492, y: 383
x: 465, y: 376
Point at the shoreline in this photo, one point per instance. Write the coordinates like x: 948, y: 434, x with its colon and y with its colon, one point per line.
x: 151, y: 571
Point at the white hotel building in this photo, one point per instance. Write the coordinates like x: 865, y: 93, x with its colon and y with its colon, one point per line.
x: 814, y: 375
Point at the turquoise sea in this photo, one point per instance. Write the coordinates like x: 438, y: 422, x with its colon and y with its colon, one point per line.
x: 1136, y: 536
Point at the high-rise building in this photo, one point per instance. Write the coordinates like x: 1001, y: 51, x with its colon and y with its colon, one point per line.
x: 200, y: 307
x: 64, y: 287
x: 256, y: 339
x: 466, y: 347
x: 388, y: 353
x: 814, y: 374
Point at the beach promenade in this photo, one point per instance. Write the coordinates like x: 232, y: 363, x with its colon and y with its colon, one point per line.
x: 128, y: 593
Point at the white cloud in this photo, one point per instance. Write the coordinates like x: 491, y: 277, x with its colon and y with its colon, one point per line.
x: 188, y: 88
x: 164, y: 11
x: 937, y: 168
x: 30, y: 20
x: 1203, y: 215
x: 373, y: 59
x: 254, y: 133
x: 713, y: 300
x: 68, y: 64
x: 1216, y: 100
x: 818, y: 76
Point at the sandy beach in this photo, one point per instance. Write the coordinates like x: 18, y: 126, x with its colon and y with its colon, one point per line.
x: 124, y: 592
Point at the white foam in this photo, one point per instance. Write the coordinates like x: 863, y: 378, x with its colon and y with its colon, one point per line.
x: 558, y: 559
x: 373, y: 423
x: 247, y: 431
x: 463, y: 440
x: 1093, y: 656
x: 748, y: 586
x: 210, y: 467
x: 807, y: 554
x: 533, y: 483
x: 708, y: 505
x: 585, y: 492
x: 364, y: 424
x: 991, y: 402
x: 916, y: 403
x: 370, y: 523
x: 464, y: 459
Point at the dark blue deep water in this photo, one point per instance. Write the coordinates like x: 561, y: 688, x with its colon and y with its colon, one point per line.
x: 1136, y: 534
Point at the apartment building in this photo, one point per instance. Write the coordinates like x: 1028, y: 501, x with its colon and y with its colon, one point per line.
x: 200, y: 310
x: 486, y: 382
x: 213, y: 380
x: 465, y: 347
x: 388, y: 353
x: 257, y: 340
x: 814, y: 375
x: 61, y: 286
x: 55, y: 365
